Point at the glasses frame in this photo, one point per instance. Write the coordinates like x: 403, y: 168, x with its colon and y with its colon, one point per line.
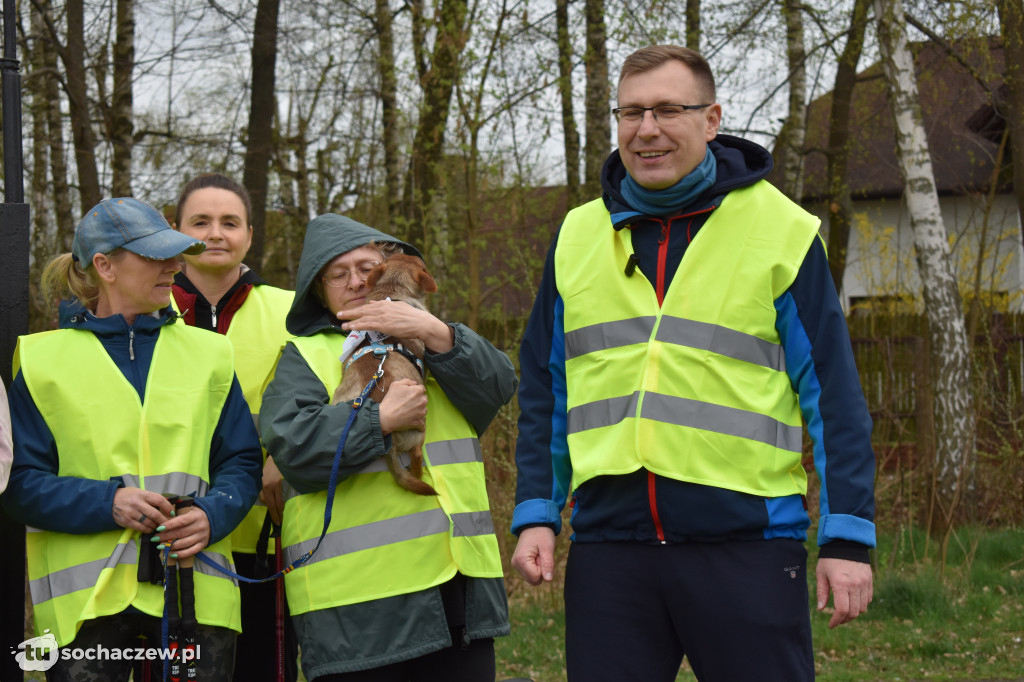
x: 348, y: 278
x: 617, y: 111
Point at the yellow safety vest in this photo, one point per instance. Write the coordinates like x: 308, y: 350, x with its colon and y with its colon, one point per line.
x: 101, y: 431
x: 384, y: 540
x: 696, y: 389
x: 258, y: 334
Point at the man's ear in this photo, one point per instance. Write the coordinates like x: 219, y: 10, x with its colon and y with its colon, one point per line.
x: 713, y: 119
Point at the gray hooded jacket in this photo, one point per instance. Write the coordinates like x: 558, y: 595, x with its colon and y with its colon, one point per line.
x: 301, y: 430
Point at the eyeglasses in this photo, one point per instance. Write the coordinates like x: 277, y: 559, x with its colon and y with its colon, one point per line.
x: 663, y: 113
x: 341, y: 279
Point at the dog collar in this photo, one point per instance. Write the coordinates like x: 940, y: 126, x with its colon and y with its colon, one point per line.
x: 381, y: 350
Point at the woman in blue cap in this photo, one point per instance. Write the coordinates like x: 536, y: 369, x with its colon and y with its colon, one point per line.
x: 112, y: 413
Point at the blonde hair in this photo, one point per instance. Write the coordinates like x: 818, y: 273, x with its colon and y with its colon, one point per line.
x: 64, y: 276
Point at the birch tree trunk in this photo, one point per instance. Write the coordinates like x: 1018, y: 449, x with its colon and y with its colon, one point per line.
x: 795, y: 130
x: 951, y: 381
x: 599, y: 129
x: 569, y: 131
x: 840, y: 205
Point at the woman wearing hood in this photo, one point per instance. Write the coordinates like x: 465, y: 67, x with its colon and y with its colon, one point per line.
x: 113, y: 412
x: 403, y: 586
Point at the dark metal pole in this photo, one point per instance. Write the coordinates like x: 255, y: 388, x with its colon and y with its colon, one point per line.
x: 14, y: 255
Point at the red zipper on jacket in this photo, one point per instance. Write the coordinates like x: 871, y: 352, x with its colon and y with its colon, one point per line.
x: 659, y: 289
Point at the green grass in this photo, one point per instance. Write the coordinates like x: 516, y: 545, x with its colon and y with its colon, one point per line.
x: 963, y: 623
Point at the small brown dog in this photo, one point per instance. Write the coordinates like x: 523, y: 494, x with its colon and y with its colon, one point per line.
x: 400, y: 278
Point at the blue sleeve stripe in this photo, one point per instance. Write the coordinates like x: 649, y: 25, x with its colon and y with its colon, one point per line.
x: 800, y: 368
x: 533, y: 512
x: 560, y: 462
x: 846, y: 527
x: 786, y: 518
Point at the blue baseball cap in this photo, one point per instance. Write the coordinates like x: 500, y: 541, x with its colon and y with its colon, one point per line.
x: 128, y: 223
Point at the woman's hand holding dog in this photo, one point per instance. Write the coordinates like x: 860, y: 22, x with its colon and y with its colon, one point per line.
x: 397, y: 318
x: 404, y: 407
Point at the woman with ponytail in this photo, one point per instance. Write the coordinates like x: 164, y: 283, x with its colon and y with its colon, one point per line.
x: 119, y: 409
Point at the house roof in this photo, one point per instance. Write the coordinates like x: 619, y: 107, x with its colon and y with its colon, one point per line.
x: 959, y: 118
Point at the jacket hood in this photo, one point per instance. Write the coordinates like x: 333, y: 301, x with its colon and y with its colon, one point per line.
x: 740, y: 163
x: 327, y: 237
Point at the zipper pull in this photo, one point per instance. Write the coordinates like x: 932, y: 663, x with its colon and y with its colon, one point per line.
x: 664, y: 233
x: 213, y: 316
x: 131, y: 343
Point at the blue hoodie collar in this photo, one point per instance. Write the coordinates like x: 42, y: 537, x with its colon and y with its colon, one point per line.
x: 73, y: 315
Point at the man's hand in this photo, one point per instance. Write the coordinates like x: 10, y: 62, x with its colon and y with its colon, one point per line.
x: 851, y: 587
x: 534, y: 557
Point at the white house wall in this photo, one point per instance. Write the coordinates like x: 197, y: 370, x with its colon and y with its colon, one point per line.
x: 880, y: 256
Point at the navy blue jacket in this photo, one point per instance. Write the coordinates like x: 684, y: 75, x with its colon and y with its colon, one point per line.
x: 643, y: 507
x: 39, y: 498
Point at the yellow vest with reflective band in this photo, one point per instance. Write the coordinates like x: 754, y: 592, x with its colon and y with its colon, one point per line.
x: 101, y: 430
x: 258, y: 334
x: 695, y: 390
x: 383, y: 540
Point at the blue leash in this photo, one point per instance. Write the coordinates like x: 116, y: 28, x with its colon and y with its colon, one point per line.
x: 331, y: 485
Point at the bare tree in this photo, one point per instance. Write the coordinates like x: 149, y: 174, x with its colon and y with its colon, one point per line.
x: 261, y: 116
x: 954, y: 428
x: 840, y: 205
x: 121, y: 114
x: 389, y: 108
x: 569, y: 131
x: 74, y: 58
x: 598, y: 95
x: 795, y: 130
x: 693, y: 24
x: 439, y: 73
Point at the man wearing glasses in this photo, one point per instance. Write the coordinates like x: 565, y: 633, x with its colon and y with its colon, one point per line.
x: 685, y: 328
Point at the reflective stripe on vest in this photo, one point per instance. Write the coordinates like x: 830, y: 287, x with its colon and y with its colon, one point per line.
x: 695, y: 389
x: 383, y: 540
x: 101, y: 430
x: 257, y: 333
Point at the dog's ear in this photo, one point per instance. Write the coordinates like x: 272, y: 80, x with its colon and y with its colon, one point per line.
x: 375, y: 274
x: 426, y: 281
